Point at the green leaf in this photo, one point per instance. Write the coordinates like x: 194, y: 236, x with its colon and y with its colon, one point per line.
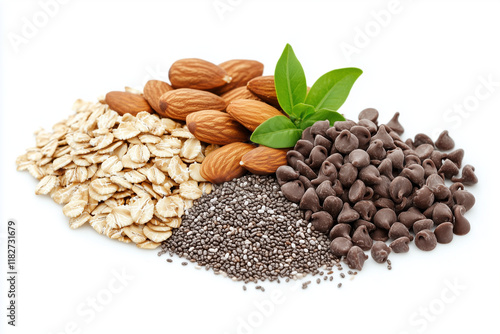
x: 302, y: 110
x: 289, y: 80
x: 276, y: 132
x: 321, y: 115
x: 331, y: 90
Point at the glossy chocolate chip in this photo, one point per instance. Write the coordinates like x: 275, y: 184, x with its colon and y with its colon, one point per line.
x: 361, y: 222
x: 366, y: 209
x: 464, y: 198
x: 333, y: 205
x: 293, y: 191
x: 428, y: 212
x: 307, y: 135
x: 422, y: 138
x: 370, y: 114
x: 429, y: 167
x: 426, y: 240
x: 383, y: 135
x: 401, y: 144
x: 322, y: 221
x: 400, y: 188
x: 433, y: 181
x: 382, y: 188
x: 356, y: 258
x: 437, y: 157
x: 462, y: 225
x: 379, y: 234
x: 381, y: 203
x: 359, y: 158
x: 344, y: 125
x: 445, y: 142
x: 442, y: 213
x: 422, y: 224
x: 442, y: 192
x: 399, y: 230
x: 346, y: 142
x: 409, y: 217
x: 448, y: 169
x: 363, y: 135
x: 320, y: 127
x: 347, y: 174
x: 337, y: 186
x: 310, y: 201
x: 316, y: 157
x: 410, y: 144
x: 424, y: 197
x: 357, y: 191
x: 400, y: 245
x: 306, y: 182
x: 468, y: 177
x: 384, y: 218
x: 285, y: 174
x: 385, y: 168
x: 304, y: 147
x: 320, y: 140
x: 395, y: 125
x: 444, y: 233
x: 347, y: 214
x: 305, y: 170
x: 324, y: 190
x: 361, y: 238
x: 376, y: 150
x: 327, y: 172
x: 340, y: 246
x: 412, y: 159
x: 371, y: 126
x: 415, y: 173
x: 424, y: 151
x: 456, y: 156
x: 380, y: 251
x: 292, y: 157
x: 340, y: 230
x: 369, y: 175
x: 336, y: 159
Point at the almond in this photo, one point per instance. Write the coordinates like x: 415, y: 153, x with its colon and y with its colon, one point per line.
x: 241, y: 71
x: 125, y: 102
x: 238, y: 94
x: 197, y: 74
x: 153, y: 90
x: 179, y: 103
x: 216, y: 127
x: 264, y: 160
x: 264, y: 88
x: 223, y: 164
x: 251, y: 113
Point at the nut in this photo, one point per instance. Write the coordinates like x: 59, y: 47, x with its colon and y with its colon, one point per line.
x: 251, y: 113
x: 216, y: 127
x: 197, y: 74
x: 264, y: 88
x: 264, y: 160
x: 237, y: 94
x: 124, y: 102
x: 241, y: 71
x: 223, y: 164
x: 179, y: 103
x: 153, y: 90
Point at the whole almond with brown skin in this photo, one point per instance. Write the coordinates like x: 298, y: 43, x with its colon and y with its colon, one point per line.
x: 179, y: 103
x: 241, y: 71
x: 197, y: 74
x: 125, y: 102
x: 264, y: 88
x: 238, y: 94
x: 251, y: 113
x: 153, y: 90
x: 264, y: 160
x: 216, y: 127
x: 223, y: 164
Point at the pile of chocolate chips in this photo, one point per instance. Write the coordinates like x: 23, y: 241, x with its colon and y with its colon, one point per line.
x: 362, y: 185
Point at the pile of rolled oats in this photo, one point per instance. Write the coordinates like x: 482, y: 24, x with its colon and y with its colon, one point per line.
x: 129, y: 177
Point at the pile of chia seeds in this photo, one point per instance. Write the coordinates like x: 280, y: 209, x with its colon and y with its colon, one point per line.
x: 246, y: 229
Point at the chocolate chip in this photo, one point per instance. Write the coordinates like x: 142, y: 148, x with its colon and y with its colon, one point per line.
x: 410, y: 144
x: 370, y: 114
x: 322, y: 221
x: 371, y: 126
x: 324, y: 190
x: 359, y: 158
x: 361, y: 238
x: 363, y: 135
x: 399, y: 230
x: 328, y: 171
x: 381, y: 203
x: 344, y: 125
x: 429, y: 167
x: 337, y: 186
x: 382, y: 188
x: 384, y: 218
x: 293, y: 191
x: 395, y: 125
x: 379, y: 234
x: 448, y: 169
x: 370, y: 175
x: 346, y: 142
x: 292, y: 157
x: 307, y: 135
x: 340, y: 230
x: 376, y: 150
x: 357, y: 191
x: 415, y: 173
x: 400, y: 245
x: 361, y: 222
x: 305, y: 170
x: 426, y: 240
x: 347, y: 214
x: 442, y: 213
x: 285, y: 174
x: 380, y: 251
x: 366, y: 209
x: 306, y: 182
x: 320, y: 140
x: 401, y: 144
x: 424, y: 197
x: 456, y: 156
x: 462, y: 225
x: 336, y: 159
x: 444, y: 233
x: 445, y: 142
x: 464, y: 198
x: 356, y: 258
x: 409, y: 217
x: 320, y: 127
x: 310, y: 201
x: 468, y: 176
x: 411, y: 159
x: 304, y: 147
x: 383, y: 135
x: 340, y: 246
x: 347, y: 174
x: 422, y: 138
x: 400, y: 188
x: 433, y: 181
x: 385, y: 168
x: 317, y: 156
x: 422, y: 224
x: 332, y: 133
x: 333, y: 205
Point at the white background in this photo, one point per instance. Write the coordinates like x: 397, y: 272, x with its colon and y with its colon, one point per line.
x: 426, y: 58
